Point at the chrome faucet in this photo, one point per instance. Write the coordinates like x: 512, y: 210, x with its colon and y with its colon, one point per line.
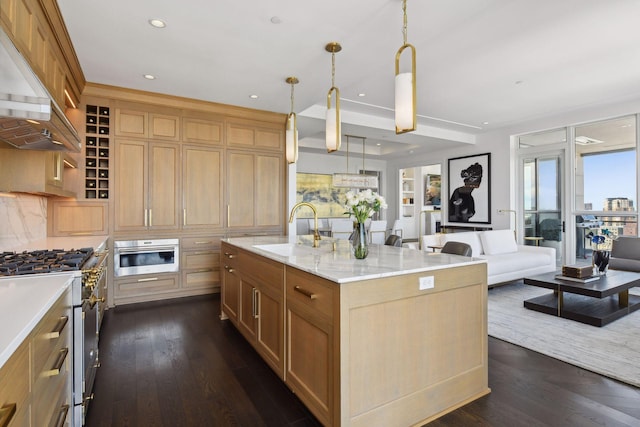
x: 316, y: 233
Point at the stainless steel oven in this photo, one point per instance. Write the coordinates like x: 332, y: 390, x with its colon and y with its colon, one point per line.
x: 146, y: 256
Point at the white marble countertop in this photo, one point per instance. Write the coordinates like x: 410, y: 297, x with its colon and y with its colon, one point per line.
x: 341, y: 266
x: 66, y: 243
x: 24, y: 300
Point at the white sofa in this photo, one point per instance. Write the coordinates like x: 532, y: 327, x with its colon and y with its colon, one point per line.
x: 506, y: 260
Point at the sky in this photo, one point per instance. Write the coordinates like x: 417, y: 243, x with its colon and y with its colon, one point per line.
x: 609, y: 175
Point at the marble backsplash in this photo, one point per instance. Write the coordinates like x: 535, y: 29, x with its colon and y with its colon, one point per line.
x: 24, y: 219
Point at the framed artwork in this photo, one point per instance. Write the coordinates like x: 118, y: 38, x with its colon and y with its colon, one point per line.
x: 318, y: 190
x: 470, y: 189
x: 432, y: 190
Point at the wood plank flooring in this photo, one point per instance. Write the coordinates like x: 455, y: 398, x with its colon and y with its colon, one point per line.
x: 174, y: 363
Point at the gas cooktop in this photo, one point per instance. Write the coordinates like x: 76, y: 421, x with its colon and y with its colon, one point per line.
x: 43, y: 261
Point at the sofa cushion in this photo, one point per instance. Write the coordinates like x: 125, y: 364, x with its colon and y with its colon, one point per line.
x: 516, y: 261
x: 471, y: 238
x: 495, y: 242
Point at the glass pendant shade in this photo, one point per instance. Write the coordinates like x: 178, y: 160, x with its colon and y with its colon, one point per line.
x: 404, y: 101
x: 332, y: 129
x: 291, y: 139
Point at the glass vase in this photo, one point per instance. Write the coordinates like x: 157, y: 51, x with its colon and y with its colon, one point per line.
x: 601, y: 261
x: 360, y: 241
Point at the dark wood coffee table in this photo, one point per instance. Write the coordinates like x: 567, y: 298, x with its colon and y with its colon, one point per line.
x: 595, y: 303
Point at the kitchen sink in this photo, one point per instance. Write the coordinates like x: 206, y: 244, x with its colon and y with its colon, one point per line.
x: 282, y: 249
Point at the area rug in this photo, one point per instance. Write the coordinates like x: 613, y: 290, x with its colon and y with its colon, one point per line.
x: 612, y: 350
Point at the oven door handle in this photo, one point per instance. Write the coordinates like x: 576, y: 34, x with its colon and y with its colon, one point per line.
x: 146, y: 249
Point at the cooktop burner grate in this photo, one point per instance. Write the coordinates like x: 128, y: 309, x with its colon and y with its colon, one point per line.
x: 43, y: 261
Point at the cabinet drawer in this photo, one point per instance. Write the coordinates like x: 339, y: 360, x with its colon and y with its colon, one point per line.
x: 200, y: 243
x: 53, y: 402
x: 145, y: 285
x: 52, y: 334
x: 263, y: 270
x: 14, y: 383
x: 201, y: 260
x: 202, y: 279
x: 229, y: 256
x: 311, y: 291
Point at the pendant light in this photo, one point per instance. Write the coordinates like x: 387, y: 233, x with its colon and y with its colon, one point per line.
x: 405, y: 85
x: 332, y: 125
x: 291, y: 133
x: 355, y: 180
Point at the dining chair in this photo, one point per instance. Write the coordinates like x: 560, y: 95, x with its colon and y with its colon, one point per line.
x: 341, y: 228
x: 378, y: 231
x: 456, y: 248
x: 394, y: 240
x: 397, y: 228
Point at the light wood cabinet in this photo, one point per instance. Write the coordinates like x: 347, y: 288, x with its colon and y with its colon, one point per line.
x: 202, y: 131
x: 255, y: 183
x: 254, y: 298
x: 201, y: 187
x: 253, y: 134
x: 15, y: 386
x: 76, y: 218
x: 146, y: 185
x: 142, y: 124
x: 145, y: 287
x: 312, y: 348
x: 37, y: 377
x: 200, y: 263
x: 31, y: 171
x: 230, y: 290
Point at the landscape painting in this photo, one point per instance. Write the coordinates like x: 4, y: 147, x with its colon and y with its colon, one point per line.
x: 318, y: 190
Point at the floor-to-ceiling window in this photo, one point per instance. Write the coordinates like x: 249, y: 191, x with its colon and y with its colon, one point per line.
x: 605, y: 182
x: 601, y: 183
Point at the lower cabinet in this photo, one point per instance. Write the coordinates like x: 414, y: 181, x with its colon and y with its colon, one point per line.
x: 35, y: 383
x: 145, y: 287
x: 253, y: 299
x: 312, y: 347
x: 200, y: 264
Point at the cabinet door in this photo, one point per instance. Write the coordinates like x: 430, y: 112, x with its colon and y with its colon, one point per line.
x: 130, y: 183
x: 270, y: 328
x: 269, y: 184
x: 248, y: 310
x: 163, y: 186
x: 131, y: 123
x: 165, y: 127
x: 230, y: 283
x: 255, y: 187
x: 240, y: 189
x: 202, y: 187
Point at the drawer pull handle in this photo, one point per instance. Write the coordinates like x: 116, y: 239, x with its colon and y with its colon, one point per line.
x: 305, y: 292
x: 148, y: 279
x: 205, y: 270
x: 62, y: 356
x: 6, y: 414
x: 62, y: 415
x: 229, y: 269
x: 229, y: 255
x: 204, y: 242
x: 62, y: 322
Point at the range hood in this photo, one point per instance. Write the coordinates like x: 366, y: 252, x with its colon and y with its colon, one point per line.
x: 29, y: 118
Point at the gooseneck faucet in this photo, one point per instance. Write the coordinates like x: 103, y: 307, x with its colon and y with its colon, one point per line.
x: 316, y: 233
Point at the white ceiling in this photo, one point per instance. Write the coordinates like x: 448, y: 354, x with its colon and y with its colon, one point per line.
x: 495, y: 61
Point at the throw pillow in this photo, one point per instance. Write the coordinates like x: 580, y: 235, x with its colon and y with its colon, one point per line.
x: 496, y: 242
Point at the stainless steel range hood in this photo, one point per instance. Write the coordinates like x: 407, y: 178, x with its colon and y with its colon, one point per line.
x: 29, y: 118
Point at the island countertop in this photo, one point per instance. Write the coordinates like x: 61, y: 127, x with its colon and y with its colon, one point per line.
x: 340, y: 265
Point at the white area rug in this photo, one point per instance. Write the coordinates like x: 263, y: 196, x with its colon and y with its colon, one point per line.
x: 613, y: 350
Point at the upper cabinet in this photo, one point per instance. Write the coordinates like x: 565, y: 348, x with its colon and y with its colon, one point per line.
x: 141, y: 124
x: 252, y: 134
x: 202, y: 131
x: 32, y: 171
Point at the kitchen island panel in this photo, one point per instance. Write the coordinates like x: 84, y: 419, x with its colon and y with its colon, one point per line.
x: 430, y: 346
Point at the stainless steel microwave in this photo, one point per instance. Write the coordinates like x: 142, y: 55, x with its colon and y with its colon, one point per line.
x: 133, y: 257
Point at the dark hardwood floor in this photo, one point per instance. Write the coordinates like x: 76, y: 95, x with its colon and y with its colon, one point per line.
x: 174, y: 363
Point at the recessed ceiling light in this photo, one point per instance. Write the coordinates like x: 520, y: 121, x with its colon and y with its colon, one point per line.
x: 362, y: 94
x: 519, y: 82
x: 276, y: 20
x: 485, y: 123
x: 253, y: 96
x: 378, y: 144
x: 157, y: 23
x: 149, y: 77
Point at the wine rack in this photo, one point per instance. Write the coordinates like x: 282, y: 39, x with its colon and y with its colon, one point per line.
x: 97, y: 152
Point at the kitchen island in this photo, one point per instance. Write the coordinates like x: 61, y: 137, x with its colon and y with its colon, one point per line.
x: 397, y: 339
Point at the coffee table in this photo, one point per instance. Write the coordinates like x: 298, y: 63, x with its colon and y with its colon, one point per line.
x: 595, y: 303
